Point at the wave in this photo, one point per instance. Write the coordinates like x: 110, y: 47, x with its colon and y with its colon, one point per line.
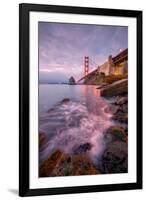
x: 69, y: 125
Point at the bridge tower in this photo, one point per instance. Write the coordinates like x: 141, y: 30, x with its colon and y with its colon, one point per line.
x: 86, y: 65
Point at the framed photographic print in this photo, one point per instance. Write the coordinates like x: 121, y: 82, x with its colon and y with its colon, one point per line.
x: 80, y: 99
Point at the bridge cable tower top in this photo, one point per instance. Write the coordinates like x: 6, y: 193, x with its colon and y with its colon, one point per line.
x: 86, y: 65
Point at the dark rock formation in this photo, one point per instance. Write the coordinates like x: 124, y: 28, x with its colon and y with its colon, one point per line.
x: 66, y: 100
x: 120, y: 100
x: 63, y: 164
x: 111, y: 109
x: 42, y: 138
x: 121, y: 117
x: 116, y: 88
x: 119, y: 109
x: 82, y: 148
x: 124, y: 108
x: 115, y: 158
x: 72, y: 81
x: 102, y: 85
x: 48, y: 165
x: 115, y: 133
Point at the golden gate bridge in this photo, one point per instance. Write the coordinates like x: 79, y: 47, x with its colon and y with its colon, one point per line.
x: 114, y: 61
x: 87, y: 61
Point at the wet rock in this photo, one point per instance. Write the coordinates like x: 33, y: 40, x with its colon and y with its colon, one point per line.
x: 121, y: 111
x: 126, y: 130
x: 51, y: 110
x: 111, y: 109
x: 102, y: 85
x: 82, y: 148
x: 124, y: 108
x: 121, y: 117
x: 75, y: 165
x: 115, y: 133
x: 121, y: 100
x: 48, y: 165
x: 66, y: 100
x: 72, y: 81
x: 42, y: 138
x: 116, y: 88
x: 63, y: 164
x: 115, y: 158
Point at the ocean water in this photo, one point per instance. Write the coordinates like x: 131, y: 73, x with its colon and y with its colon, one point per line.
x: 79, y: 121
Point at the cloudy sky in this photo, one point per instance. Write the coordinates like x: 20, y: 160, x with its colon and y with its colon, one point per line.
x: 62, y: 48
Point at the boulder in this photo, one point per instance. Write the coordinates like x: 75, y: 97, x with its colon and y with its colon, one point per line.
x: 66, y: 100
x: 48, y: 165
x: 124, y: 108
x: 102, y: 85
x: 117, y: 88
x: 115, y: 133
x: 117, y: 109
x: 115, y: 158
x: 121, y: 117
x: 42, y: 138
x: 111, y: 109
x: 120, y: 100
x: 75, y: 165
x: 63, y: 164
x: 82, y: 148
x: 121, y: 110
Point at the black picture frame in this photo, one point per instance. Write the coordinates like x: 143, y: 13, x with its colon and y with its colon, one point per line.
x: 24, y: 9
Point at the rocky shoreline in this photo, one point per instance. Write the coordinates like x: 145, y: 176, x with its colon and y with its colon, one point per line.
x: 115, y: 156
x: 63, y: 164
x: 114, y: 159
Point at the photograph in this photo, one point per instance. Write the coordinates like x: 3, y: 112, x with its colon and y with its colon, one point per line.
x: 82, y: 99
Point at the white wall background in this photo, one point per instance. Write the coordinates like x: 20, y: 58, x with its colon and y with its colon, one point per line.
x: 9, y: 97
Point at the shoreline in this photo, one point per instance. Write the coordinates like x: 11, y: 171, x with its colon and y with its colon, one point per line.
x: 112, y: 160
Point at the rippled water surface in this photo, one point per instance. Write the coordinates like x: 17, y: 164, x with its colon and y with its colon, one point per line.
x: 70, y: 124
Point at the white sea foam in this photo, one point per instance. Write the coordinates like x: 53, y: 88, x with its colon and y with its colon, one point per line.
x: 69, y: 125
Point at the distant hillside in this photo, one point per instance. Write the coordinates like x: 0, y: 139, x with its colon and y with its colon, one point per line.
x: 45, y: 82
